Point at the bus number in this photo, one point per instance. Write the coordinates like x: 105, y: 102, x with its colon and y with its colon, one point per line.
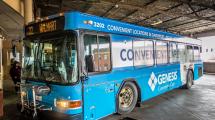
x: 99, y: 25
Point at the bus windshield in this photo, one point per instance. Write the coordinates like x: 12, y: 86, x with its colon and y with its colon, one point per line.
x: 51, y: 59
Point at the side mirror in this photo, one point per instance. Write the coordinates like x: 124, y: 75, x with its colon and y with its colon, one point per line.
x: 84, y: 78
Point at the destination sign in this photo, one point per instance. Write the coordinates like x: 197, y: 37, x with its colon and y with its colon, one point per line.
x: 51, y: 25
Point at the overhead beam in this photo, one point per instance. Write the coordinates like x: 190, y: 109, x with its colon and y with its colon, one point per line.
x: 185, y: 15
x: 198, y: 26
x: 149, y: 3
x: 167, y: 12
x: 182, y: 24
x: 111, y: 8
x: 137, y: 9
x: 147, y: 18
x: 181, y: 16
x: 158, y: 13
x: 190, y: 6
x: 209, y: 32
x: 129, y: 14
x: 185, y: 23
x: 196, y: 4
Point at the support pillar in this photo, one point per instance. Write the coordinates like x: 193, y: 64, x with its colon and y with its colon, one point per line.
x: 1, y: 77
x: 1, y: 103
x: 28, y: 11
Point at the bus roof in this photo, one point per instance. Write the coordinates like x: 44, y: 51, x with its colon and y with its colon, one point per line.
x: 76, y: 20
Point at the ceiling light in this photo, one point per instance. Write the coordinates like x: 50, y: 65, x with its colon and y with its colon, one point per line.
x: 116, y: 6
x: 156, y: 23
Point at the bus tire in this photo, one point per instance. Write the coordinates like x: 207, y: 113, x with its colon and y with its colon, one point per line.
x: 127, y: 98
x: 189, y: 81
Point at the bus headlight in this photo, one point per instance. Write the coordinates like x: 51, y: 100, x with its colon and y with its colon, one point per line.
x: 68, y: 104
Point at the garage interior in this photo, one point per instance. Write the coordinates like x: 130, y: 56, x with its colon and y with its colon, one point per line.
x: 192, y: 18
x: 185, y: 17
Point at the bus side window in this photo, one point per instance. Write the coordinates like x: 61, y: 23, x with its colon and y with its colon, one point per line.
x: 91, y: 47
x: 104, y: 54
x: 196, y: 51
x: 149, y: 53
x: 161, y: 52
x: 182, y: 52
x: 97, y: 53
x: 189, y: 51
x: 143, y: 53
x: 173, y: 52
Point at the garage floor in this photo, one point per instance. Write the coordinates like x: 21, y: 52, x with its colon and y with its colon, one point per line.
x: 197, y: 103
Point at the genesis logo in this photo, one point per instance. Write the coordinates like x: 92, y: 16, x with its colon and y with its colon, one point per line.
x: 152, y: 81
x: 162, y: 79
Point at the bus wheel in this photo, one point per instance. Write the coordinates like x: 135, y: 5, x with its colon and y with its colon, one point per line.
x: 127, y: 98
x: 189, y: 81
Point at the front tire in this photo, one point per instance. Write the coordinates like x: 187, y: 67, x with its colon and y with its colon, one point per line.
x: 189, y: 81
x: 127, y: 98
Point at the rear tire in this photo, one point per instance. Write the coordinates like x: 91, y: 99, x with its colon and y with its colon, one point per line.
x: 189, y: 81
x: 127, y: 98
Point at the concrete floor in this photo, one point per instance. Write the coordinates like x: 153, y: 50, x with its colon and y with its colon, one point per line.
x: 198, y: 103
x: 10, y: 98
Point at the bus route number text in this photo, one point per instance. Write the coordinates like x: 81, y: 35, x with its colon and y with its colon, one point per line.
x: 48, y: 26
x: 98, y: 25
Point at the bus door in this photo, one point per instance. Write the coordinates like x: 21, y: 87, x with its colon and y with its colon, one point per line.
x: 186, y: 60
x: 98, y: 87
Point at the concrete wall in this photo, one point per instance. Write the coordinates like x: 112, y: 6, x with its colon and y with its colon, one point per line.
x: 209, y: 67
x: 17, y: 5
x: 208, y: 52
x: 208, y: 49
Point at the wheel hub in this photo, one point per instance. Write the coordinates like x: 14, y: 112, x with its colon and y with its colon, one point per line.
x: 126, y: 97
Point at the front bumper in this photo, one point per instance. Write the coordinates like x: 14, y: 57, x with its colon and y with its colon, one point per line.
x: 52, y: 115
x: 48, y: 114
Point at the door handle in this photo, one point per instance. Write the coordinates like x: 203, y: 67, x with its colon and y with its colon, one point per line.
x: 108, y: 90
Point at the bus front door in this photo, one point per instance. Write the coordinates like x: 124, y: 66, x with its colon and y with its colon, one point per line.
x: 98, y: 89
x: 98, y: 97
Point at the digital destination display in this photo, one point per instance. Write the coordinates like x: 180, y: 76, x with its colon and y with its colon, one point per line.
x: 45, y: 26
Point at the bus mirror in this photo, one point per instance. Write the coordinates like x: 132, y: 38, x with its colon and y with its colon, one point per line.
x: 84, y: 78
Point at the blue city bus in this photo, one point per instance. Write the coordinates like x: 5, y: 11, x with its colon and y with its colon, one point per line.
x: 80, y: 66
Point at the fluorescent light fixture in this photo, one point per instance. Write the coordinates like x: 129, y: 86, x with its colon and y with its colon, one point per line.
x: 157, y: 23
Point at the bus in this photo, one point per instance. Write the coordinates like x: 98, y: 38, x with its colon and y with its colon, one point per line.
x: 79, y: 66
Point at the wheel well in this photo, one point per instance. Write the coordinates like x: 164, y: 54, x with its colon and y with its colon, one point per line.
x: 138, y: 89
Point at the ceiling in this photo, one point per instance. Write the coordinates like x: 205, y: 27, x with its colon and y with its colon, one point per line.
x: 11, y: 22
x: 186, y: 17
